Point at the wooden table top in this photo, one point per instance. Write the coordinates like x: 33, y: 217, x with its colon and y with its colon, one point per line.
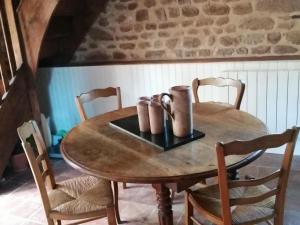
x: 96, y: 148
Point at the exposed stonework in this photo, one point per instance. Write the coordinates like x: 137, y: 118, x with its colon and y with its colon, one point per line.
x: 278, y: 6
x: 130, y: 30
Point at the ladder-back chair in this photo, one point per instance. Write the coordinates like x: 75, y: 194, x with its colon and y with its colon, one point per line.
x: 90, y: 96
x: 95, y: 94
x: 220, y: 82
x: 245, y: 202
x: 84, y: 198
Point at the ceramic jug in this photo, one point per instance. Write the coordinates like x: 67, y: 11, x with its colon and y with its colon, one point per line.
x: 180, y: 110
x: 156, y: 117
x: 143, y: 115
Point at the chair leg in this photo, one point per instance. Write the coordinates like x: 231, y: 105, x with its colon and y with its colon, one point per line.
x: 50, y: 221
x: 278, y: 219
x: 188, y: 210
x: 124, y: 185
x: 116, y: 201
x: 58, y: 222
x: 111, y: 216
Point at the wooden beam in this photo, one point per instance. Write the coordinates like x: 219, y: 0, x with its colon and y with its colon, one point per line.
x: 14, y: 36
x: 4, y: 76
x: 34, y: 17
x: 7, y: 40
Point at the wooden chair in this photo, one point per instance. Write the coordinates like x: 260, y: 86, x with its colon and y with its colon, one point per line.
x: 244, y: 202
x: 94, y: 94
x: 84, y: 198
x: 220, y: 82
x: 90, y: 96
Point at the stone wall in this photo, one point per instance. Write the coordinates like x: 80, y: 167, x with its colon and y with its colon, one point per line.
x: 141, y: 30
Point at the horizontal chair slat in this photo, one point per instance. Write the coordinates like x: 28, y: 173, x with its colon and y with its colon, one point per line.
x: 256, y: 182
x: 253, y: 200
x: 263, y: 143
x: 259, y: 220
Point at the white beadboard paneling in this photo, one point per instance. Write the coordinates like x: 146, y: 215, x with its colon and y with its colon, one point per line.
x: 272, y: 101
x: 292, y: 98
x: 282, y: 100
x: 271, y: 94
x: 261, y: 102
x: 252, y: 92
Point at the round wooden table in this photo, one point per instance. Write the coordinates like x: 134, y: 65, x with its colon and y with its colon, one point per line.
x: 96, y: 148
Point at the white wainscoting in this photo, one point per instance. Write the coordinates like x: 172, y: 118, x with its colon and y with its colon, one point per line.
x: 272, y: 88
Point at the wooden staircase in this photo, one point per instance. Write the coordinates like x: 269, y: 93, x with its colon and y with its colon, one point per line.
x: 33, y: 31
x: 67, y: 28
x: 60, y: 27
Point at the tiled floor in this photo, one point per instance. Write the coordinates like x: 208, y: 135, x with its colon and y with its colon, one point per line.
x: 20, y: 202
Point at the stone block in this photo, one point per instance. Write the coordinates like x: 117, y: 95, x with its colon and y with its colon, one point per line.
x: 253, y: 38
x: 293, y: 37
x: 260, y: 50
x: 278, y: 6
x: 242, y: 8
x: 216, y: 9
x: 149, y: 3
x: 127, y: 46
x: 229, y: 41
x: 274, y: 37
x: 161, y: 14
x: 191, y: 42
x: 174, y: 12
x: 284, y: 49
x: 257, y: 23
x: 204, y: 21
x: 119, y: 55
x: 242, y: 51
x: 142, y: 15
x: 172, y: 43
x: 190, y: 11
x: 225, y: 52
x: 222, y: 21
x: 159, y: 54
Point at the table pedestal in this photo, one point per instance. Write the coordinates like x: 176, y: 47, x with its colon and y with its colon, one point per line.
x: 165, y: 213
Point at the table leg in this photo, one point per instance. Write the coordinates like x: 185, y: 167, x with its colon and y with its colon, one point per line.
x: 165, y: 213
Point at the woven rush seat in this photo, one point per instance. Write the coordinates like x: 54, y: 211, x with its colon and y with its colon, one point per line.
x: 208, y: 198
x: 81, y: 195
x: 84, y: 198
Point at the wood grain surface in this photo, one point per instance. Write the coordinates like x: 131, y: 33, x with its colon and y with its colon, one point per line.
x: 98, y: 149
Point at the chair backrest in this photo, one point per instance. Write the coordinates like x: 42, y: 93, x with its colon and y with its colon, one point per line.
x: 94, y: 94
x: 35, y: 150
x: 220, y: 82
x: 289, y: 137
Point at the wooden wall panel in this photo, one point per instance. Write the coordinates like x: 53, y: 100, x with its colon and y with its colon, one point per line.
x: 272, y: 88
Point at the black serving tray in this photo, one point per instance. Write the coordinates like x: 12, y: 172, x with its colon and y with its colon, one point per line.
x: 164, y: 141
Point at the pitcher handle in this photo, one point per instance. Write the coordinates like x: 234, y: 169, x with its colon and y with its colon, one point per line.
x: 163, y: 105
